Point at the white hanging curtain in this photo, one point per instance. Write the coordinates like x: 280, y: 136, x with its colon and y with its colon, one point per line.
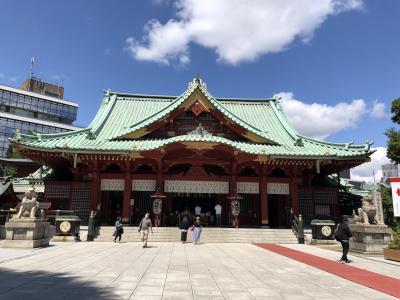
x: 199, y: 187
x: 112, y: 185
x: 278, y: 188
x: 143, y: 185
x: 247, y: 187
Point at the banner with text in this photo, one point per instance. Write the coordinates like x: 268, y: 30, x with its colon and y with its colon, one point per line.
x: 395, y: 183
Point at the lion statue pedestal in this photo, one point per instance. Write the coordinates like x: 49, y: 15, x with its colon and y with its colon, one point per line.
x: 370, y: 234
x: 27, y: 229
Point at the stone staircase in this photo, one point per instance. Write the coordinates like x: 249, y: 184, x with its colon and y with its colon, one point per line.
x: 209, y: 235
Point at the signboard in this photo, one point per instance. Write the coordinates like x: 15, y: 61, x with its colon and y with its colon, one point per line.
x: 395, y: 183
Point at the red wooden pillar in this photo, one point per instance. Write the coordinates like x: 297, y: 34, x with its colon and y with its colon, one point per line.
x: 294, y: 191
x: 95, y: 189
x: 127, y: 197
x: 264, y: 201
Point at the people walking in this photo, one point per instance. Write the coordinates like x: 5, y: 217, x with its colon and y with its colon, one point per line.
x: 119, y: 230
x: 197, y: 231
x: 184, y: 226
x: 144, y: 227
x: 218, y: 214
x: 343, y: 234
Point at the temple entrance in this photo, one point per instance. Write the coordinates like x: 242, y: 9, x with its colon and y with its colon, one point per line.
x: 278, y: 210
x: 111, y: 206
x: 183, y: 203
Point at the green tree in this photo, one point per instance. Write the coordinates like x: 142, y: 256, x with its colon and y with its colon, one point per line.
x: 8, y: 171
x: 393, y: 144
x: 387, y: 206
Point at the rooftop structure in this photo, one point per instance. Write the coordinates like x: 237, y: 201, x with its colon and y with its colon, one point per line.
x: 27, y: 111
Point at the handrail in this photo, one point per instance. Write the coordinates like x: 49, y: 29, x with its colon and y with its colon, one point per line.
x: 297, y: 225
x: 91, y: 227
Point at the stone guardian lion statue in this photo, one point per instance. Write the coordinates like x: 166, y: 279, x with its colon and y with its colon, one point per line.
x: 366, y: 214
x: 29, y: 205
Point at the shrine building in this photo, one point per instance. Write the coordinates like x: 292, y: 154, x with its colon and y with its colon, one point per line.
x: 191, y: 150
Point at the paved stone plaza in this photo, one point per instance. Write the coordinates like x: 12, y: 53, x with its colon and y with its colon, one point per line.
x: 175, y: 271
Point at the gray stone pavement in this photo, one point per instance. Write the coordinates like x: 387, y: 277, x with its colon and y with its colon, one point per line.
x: 169, y: 271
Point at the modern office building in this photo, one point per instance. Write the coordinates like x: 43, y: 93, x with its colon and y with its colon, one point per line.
x: 388, y: 171
x: 42, y: 111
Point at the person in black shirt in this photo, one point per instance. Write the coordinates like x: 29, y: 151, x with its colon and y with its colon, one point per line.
x: 184, y: 226
x: 344, y: 233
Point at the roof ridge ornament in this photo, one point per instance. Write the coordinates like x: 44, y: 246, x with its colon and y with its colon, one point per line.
x: 367, y: 145
x: 197, y: 82
x: 278, y: 103
x: 347, y: 146
x: 17, y: 134
x: 200, y: 131
x: 108, y: 96
x: 90, y: 135
x: 298, y: 141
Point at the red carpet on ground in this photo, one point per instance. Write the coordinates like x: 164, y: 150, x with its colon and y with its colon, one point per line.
x: 382, y: 283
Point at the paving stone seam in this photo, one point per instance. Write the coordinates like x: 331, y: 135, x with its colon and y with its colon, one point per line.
x: 239, y: 263
x: 82, y: 282
x: 128, y: 266
x: 212, y: 276
x: 141, y: 277
x: 166, y: 274
x: 187, y: 266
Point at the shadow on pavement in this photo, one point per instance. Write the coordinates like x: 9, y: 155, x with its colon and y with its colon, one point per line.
x: 32, y: 285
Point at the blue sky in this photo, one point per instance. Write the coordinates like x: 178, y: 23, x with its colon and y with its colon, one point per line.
x: 326, y: 53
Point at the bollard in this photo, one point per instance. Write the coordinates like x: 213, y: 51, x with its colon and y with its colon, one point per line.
x: 90, y: 235
x: 300, y: 236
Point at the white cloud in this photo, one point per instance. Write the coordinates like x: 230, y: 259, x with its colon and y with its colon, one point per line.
x: 321, y: 120
x: 378, y: 110
x: 236, y: 30
x: 366, y: 171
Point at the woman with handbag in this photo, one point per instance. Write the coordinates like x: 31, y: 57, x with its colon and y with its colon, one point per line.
x: 119, y: 230
x: 197, y: 231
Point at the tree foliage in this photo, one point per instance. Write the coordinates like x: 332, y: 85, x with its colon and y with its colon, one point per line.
x: 6, y: 171
x: 396, y: 111
x: 387, y: 206
x: 393, y: 144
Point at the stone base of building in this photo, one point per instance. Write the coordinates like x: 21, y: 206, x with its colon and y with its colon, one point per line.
x: 27, y: 233
x: 369, y: 239
x: 64, y: 238
x: 323, y: 242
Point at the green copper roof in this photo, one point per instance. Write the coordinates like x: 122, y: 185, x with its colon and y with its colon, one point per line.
x: 120, y: 114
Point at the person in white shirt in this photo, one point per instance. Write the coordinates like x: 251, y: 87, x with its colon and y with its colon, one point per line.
x: 218, y: 212
x: 197, y: 210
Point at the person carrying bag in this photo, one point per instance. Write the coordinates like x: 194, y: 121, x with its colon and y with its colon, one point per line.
x: 119, y: 230
x: 343, y: 235
x: 144, y: 227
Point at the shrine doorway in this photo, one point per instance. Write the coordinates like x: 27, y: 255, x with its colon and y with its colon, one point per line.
x: 111, y: 206
x: 186, y: 202
x: 278, y: 210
